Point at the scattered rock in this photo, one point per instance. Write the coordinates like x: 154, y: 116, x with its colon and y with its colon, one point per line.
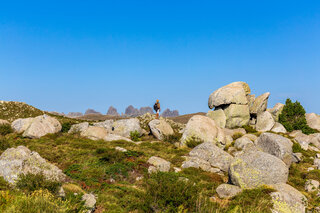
x: 278, y: 128
x: 95, y: 133
x: 89, y: 202
x: 228, y: 190
x: 237, y: 115
x: 42, y: 125
x: 234, y: 93
x: 256, y: 168
x: 120, y: 149
x: 260, y: 104
x: 265, y: 122
x: 207, y: 155
x: 160, y: 164
x: 288, y: 199
x: 219, y: 117
x: 20, y: 160
x: 200, y: 127
x: 276, y: 145
x: 160, y: 128
x: 312, y: 185
x: 313, y: 120
x: 297, y: 157
x: 78, y: 128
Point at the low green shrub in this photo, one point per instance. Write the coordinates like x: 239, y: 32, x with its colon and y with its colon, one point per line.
x: 193, y: 142
x: 131, y: 153
x: 119, y: 171
x: 5, y: 129
x: 32, y: 182
x: 237, y: 135
x: 135, y: 136
x: 66, y: 126
x: 293, y: 117
x: 173, y: 138
x: 249, y: 129
x: 166, y: 192
x: 4, y: 144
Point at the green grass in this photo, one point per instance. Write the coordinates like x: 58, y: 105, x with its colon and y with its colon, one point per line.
x: 5, y: 129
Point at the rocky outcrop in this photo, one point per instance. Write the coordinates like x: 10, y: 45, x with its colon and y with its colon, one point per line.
x: 168, y: 113
x: 219, y: 117
x: 276, y: 145
x: 21, y: 160
x: 260, y: 104
x: 112, y: 111
x: 313, y: 120
x: 201, y: 128
x: 243, y: 143
x: 126, y: 126
x: 278, y: 128
x: 265, y: 122
x: 206, y: 156
x: 288, y: 199
x: 160, y: 128
x: 107, y: 124
x: 256, y: 168
x: 20, y: 125
x: 276, y: 111
x: 158, y: 164
x: 113, y: 137
x: 227, y: 190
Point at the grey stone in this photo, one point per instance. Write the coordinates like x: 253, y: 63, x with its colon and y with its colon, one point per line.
x: 160, y: 128
x: 227, y: 190
x: 265, y: 122
x: 219, y: 117
x: 276, y: 145
x: 126, y: 126
x: 160, y: 164
x: 89, y: 201
x: 77, y: 128
x: 95, y: 133
x: 256, y: 168
x: 42, y: 125
x: 312, y: 185
x: 278, y: 128
x: 243, y: 143
x: 276, y: 111
x: 313, y: 120
x: 107, y: 124
x: 260, y: 104
x: 237, y: 115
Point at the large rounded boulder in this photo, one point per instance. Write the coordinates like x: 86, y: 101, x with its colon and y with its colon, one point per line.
x: 234, y: 93
x: 201, y: 128
x: 237, y: 115
x: 126, y: 126
x: 160, y: 128
x: 256, y: 168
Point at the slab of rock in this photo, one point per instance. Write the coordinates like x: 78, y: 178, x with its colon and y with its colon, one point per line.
x: 276, y: 111
x: 95, y: 133
x: 113, y: 137
x: 21, y: 160
x: 200, y: 127
x: 276, y: 145
x: 20, y: 125
x: 208, y: 152
x: 160, y: 128
x: 77, y: 128
x: 126, y: 126
x: 313, y: 120
x: 256, y: 168
x: 160, y: 164
x: 288, y: 199
x: 312, y: 185
x: 243, y: 143
x: 42, y: 125
x: 237, y: 115
x: 107, y: 124
x: 265, y: 122
x: 228, y: 190
x: 234, y: 93
x: 278, y: 128
x: 219, y: 117
x: 260, y: 104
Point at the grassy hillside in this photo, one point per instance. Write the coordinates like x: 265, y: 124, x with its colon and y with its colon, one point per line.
x: 11, y: 110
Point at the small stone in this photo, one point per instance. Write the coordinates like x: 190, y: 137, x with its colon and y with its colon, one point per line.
x: 176, y: 169
x: 228, y: 190
x: 311, y: 185
x: 120, y: 149
x: 89, y: 201
x: 159, y: 164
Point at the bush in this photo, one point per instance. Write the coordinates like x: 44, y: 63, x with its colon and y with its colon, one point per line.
x: 135, y: 136
x: 4, y: 144
x: 173, y: 138
x: 5, y: 129
x: 293, y: 118
x: 166, y: 192
x: 66, y: 126
x: 32, y: 182
x: 193, y: 142
x: 237, y: 135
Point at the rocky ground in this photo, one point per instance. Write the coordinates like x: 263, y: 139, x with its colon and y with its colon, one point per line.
x: 238, y: 157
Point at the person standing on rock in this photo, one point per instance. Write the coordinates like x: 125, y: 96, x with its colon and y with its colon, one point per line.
x: 156, y: 108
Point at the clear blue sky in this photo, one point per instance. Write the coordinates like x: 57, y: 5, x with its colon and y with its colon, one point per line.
x: 73, y: 55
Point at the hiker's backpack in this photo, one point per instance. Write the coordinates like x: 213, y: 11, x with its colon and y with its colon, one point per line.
x: 155, y: 107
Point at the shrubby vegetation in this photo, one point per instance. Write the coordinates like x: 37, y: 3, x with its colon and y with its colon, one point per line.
x: 293, y: 118
x: 193, y: 142
x: 135, y: 136
x: 5, y: 129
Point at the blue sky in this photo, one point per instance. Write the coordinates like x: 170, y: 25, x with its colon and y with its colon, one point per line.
x: 73, y: 55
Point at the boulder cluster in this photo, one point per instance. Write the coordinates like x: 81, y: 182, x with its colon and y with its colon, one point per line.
x: 234, y: 106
